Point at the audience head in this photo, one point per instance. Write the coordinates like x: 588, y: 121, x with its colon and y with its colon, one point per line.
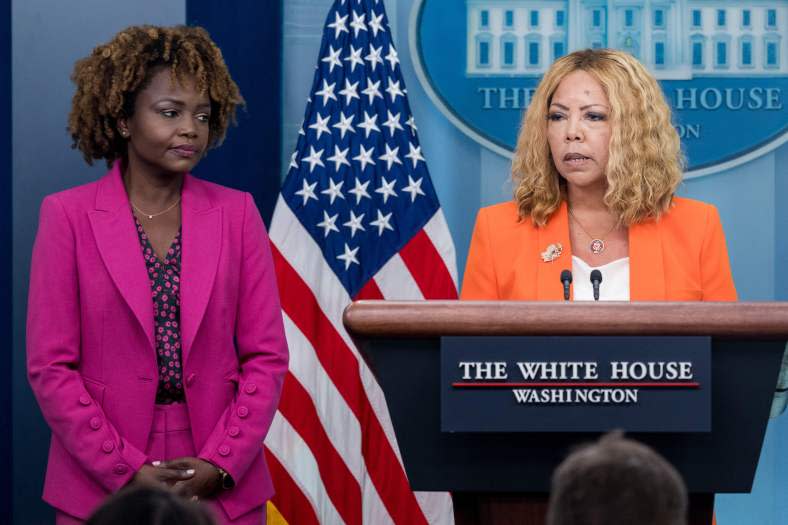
x: 617, y: 481
x: 136, y: 505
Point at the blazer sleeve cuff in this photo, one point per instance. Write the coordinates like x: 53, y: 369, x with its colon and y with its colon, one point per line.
x: 124, y: 469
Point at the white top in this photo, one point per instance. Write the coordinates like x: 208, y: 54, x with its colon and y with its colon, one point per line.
x: 615, y: 280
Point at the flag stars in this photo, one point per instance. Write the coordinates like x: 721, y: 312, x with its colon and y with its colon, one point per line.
x: 333, y: 60
x: 334, y: 190
x: 328, y: 224
x: 369, y: 125
x: 391, y: 158
x: 411, y: 122
x: 358, y: 23
x: 345, y: 124
x: 376, y: 24
x: 374, y: 56
x: 339, y: 24
x: 314, y: 158
x: 354, y: 223
x: 386, y: 189
x: 349, y: 257
x: 414, y: 188
x: 414, y: 154
x: 339, y: 158
x: 382, y: 223
x: 393, y: 123
x: 293, y: 163
x: 360, y: 190
x: 327, y: 92
x: 392, y: 57
x: 355, y: 58
x: 394, y: 90
x: 307, y: 191
x: 364, y: 157
x: 372, y: 91
x: 350, y: 91
x: 320, y: 125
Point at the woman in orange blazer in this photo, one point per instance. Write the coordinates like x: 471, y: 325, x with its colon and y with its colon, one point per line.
x: 596, y: 168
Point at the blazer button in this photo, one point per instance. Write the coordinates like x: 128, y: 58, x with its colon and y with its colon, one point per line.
x: 120, y: 469
x: 108, y: 446
x: 250, y: 388
x: 190, y: 379
x: 224, y: 450
x: 84, y: 400
x: 95, y: 423
x: 242, y: 411
x: 233, y: 431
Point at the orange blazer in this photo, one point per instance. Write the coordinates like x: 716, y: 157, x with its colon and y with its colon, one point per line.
x: 680, y: 257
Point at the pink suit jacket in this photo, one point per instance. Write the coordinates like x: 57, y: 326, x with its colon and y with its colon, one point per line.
x: 90, y: 342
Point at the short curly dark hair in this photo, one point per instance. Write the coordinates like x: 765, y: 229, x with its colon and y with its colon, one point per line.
x: 109, y: 80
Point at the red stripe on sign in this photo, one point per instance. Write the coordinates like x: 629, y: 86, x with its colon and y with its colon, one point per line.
x: 339, y: 362
x: 288, y: 499
x: 370, y: 291
x: 298, y: 408
x: 427, y: 267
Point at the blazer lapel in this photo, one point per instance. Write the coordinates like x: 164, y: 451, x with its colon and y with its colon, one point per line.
x: 118, y: 243
x: 646, y: 268
x: 548, y: 274
x: 201, y: 227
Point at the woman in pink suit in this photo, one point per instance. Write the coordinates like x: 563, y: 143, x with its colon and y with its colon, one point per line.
x: 155, y: 343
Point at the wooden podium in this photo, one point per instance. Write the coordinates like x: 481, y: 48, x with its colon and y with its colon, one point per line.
x: 502, y: 478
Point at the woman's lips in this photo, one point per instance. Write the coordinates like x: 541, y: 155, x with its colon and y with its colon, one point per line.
x: 576, y: 159
x: 186, y: 152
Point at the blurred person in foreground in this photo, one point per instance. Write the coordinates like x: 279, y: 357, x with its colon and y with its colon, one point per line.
x: 136, y: 505
x: 617, y: 481
x: 596, y: 169
x: 155, y: 343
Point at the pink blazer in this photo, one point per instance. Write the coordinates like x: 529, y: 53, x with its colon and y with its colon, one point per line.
x: 90, y: 343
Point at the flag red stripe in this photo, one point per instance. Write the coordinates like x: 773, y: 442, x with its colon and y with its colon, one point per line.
x: 301, y: 306
x: 370, y: 291
x: 288, y: 499
x: 428, y: 268
x: 385, y: 471
x: 297, y: 407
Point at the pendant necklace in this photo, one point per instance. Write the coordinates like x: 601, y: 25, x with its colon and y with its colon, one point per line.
x: 152, y: 215
x: 597, y: 245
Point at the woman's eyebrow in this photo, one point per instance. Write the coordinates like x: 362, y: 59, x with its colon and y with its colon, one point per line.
x: 582, y: 108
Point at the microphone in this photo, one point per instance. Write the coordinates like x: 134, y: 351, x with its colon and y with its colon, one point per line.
x: 566, y: 280
x: 596, y: 278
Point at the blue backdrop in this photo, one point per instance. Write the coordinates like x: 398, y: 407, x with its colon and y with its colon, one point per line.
x: 271, y: 47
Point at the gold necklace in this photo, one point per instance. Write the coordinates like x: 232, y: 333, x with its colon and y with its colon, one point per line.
x: 152, y: 215
x: 597, y: 244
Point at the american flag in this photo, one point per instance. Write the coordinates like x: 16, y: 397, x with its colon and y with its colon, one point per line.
x: 358, y: 218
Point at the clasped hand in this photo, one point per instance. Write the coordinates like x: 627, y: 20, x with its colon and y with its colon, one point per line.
x: 187, y: 476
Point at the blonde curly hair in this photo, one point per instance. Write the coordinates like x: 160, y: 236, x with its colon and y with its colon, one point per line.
x: 645, y: 162
x: 109, y: 80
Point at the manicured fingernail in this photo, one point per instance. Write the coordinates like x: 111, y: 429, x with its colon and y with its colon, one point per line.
x: 156, y: 463
x: 190, y: 471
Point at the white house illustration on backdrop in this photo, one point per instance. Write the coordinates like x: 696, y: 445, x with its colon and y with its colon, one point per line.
x: 676, y: 39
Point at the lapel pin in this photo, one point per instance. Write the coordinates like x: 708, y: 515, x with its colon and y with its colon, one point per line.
x: 552, y: 252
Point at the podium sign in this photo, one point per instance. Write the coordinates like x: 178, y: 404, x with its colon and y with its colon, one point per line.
x: 575, y: 384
